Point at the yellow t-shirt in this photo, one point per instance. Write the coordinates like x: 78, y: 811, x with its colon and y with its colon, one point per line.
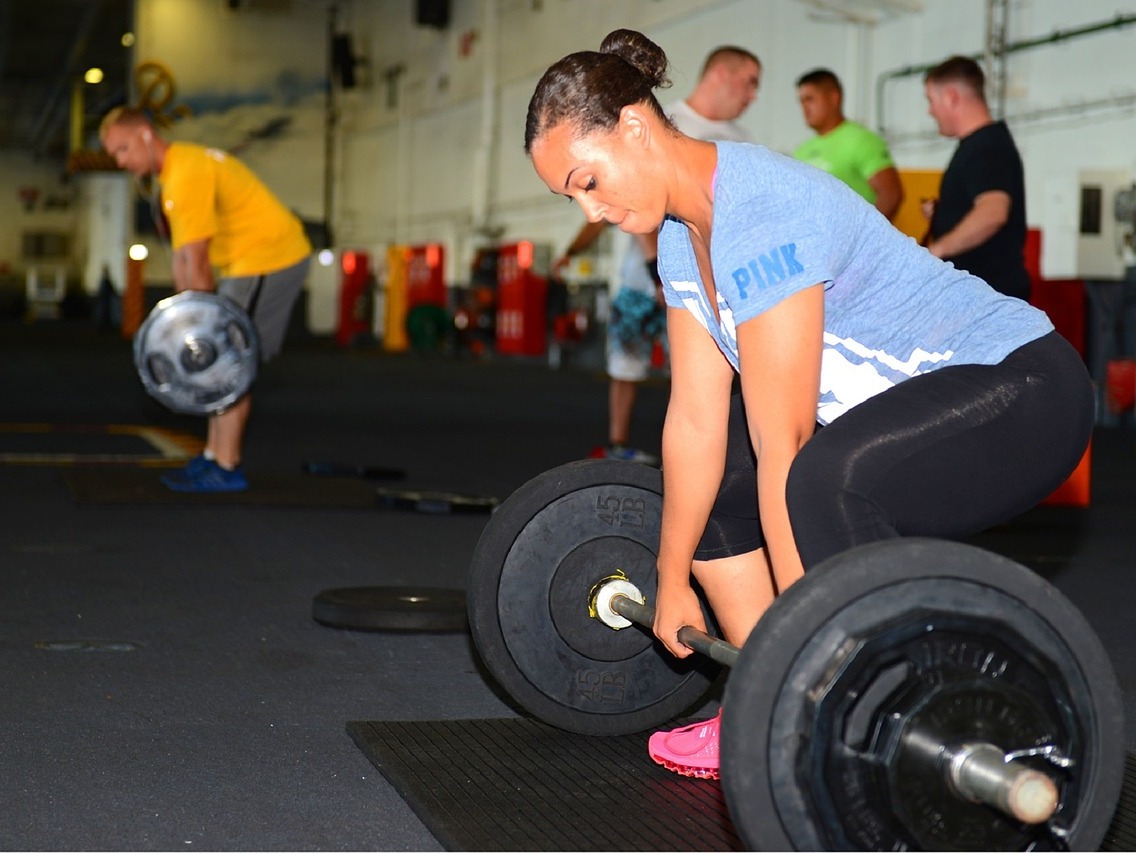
x: 208, y: 194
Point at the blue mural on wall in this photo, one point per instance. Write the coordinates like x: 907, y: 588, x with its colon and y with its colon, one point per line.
x: 157, y: 94
x: 289, y: 89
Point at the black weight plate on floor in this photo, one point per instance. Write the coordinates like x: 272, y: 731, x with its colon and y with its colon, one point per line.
x: 434, y: 502
x: 391, y: 608
x: 534, y: 566
x: 364, y: 472
x: 916, y: 634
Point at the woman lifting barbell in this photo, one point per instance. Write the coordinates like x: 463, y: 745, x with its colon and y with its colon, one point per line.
x: 883, y: 393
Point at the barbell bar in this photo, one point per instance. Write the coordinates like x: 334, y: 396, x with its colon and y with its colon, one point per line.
x: 975, y: 771
x: 618, y: 603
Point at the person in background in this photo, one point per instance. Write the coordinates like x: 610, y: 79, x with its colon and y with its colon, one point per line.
x: 978, y: 222
x: 727, y: 85
x: 221, y: 216
x: 832, y: 382
x: 844, y: 148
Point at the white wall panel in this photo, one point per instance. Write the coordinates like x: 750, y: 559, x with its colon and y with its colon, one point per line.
x: 52, y: 210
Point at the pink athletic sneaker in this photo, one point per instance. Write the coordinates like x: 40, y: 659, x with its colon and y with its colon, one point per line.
x: 691, y: 750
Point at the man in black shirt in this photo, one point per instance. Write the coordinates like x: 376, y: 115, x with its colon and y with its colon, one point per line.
x: 979, y: 220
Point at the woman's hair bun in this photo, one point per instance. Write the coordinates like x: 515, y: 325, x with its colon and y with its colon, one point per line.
x: 640, y: 52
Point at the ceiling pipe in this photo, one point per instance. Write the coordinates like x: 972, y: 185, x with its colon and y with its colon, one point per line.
x: 50, y: 117
x: 484, y: 150
x: 856, y: 13
x: 997, y: 25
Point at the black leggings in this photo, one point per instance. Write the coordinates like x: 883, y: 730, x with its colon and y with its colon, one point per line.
x: 945, y: 454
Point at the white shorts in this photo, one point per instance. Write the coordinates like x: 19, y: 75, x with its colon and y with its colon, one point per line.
x: 630, y: 364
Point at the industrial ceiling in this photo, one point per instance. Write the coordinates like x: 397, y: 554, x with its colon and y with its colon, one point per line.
x: 46, y: 47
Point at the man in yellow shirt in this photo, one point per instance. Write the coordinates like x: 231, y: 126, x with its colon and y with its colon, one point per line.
x: 229, y: 233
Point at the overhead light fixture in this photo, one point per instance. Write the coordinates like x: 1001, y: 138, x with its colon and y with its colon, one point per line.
x: 127, y: 39
x: 93, y: 75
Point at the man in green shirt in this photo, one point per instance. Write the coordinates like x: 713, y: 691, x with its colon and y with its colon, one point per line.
x: 843, y: 148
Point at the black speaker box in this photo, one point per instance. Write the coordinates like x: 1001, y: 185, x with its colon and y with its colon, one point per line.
x: 433, y: 13
x: 343, y: 60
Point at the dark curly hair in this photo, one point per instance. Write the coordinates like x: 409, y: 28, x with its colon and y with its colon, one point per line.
x: 590, y: 88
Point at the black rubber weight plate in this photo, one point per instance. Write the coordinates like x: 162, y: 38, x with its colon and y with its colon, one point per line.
x: 365, y: 472
x: 391, y: 608
x: 434, y: 502
x: 538, y: 558
x: 974, y: 618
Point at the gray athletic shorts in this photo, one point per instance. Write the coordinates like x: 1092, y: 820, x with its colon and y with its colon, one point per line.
x: 269, y: 300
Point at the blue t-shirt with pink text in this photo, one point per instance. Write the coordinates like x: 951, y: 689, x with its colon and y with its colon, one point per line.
x: 892, y: 310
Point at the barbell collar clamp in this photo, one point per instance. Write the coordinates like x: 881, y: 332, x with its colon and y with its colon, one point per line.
x: 601, y: 601
x: 622, y: 604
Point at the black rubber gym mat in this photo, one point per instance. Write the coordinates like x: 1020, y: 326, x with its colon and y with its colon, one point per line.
x: 1122, y: 832
x: 133, y: 486
x: 518, y: 784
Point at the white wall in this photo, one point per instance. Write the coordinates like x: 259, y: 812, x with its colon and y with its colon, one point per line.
x: 55, y: 209
x: 415, y: 160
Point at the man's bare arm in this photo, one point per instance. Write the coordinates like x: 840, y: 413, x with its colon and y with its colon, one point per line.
x: 990, y: 212
x: 191, y: 267
x: 889, y: 191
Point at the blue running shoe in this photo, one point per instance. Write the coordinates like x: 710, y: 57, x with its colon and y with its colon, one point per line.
x: 198, y: 463
x: 209, y: 477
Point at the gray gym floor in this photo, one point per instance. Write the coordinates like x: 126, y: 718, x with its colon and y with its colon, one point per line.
x: 164, y: 684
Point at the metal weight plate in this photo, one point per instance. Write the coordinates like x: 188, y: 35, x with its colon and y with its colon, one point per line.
x: 539, y: 556
x: 196, y: 352
x: 917, y: 641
